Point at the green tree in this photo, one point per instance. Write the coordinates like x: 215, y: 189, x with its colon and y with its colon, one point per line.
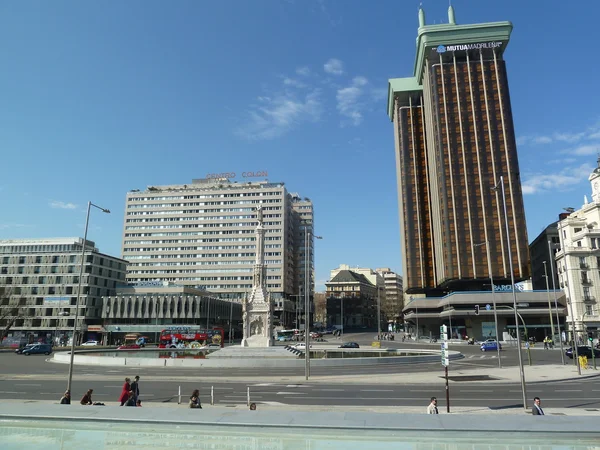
x: 10, y: 311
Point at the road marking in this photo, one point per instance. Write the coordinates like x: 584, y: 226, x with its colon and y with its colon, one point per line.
x: 263, y: 384
x: 474, y: 390
x: 113, y: 386
x: 289, y: 393
x: 27, y: 384
x: 51, y: 393
x: 11, y: 392
x: 273, y: 403
x: 567, y: 390
x: 376, y: 390
x: 331, y: 390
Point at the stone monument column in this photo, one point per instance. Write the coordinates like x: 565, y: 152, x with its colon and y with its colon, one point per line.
x: 257, y: 308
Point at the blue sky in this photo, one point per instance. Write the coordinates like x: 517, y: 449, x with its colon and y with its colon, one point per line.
x: 97, y: 98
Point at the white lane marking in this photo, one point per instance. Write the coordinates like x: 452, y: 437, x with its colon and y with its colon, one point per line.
x: 11, y: 392
x: 263, y: 384
x: 330, y: 390
x: 376, y: 390
x: 51, y: 393
x: 567, y: 390
x: 289, y: 393
x: 113, y: 386
x: 27, y: 384
x: 273, y: 403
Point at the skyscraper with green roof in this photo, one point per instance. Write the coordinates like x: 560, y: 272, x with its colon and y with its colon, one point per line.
x: 454, y: 138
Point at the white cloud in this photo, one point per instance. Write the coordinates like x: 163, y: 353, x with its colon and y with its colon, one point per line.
x: 591, y: 133
x: 293, y: 82
x: 348, y: 100
x: 303, y: 71
x: 6, y: 226
x: 274, y: 116
x: 62, y: 205
x: 334, y: 67
x: 586, y: 149
x: 564, y: 179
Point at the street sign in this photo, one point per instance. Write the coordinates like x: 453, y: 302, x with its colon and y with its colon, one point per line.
x: 444, y: 352
x: 488, y: 307
x: 443, y: 329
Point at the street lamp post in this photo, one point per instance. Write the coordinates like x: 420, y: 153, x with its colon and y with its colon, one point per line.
x: 574, y: 346
x: 514, y: 292
x: 378, y: 313
x: 549, y: 304
x: 562, y: 353
x: 491, y: 275
x: 307, y: 300
x: 230, y: 320
x: 87, y: 221
x: 592, y: 340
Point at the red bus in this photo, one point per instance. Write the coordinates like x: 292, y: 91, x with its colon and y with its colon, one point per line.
x: 190, y: 337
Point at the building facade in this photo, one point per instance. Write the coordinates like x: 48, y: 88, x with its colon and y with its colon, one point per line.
x: 351, y: 300
x: 454, y: 139
x: 202, y: 235
x: 392, y: 300
x: 39, y: 281
x: 540, y: 253
x: 150, y: 307
x: 578, y: 261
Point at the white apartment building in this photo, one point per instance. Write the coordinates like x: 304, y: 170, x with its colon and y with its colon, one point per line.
x: 392, y: 301
x: 39, y: 283
x: 578, y: 262
x: 202, y: 235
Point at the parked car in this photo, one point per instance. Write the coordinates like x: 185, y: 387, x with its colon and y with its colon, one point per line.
x: 349, y: 345
x: 490, y: 345
x: 20, y: 349
x: 583, y: 351
x: 90, y: 344
x: 46, y: 349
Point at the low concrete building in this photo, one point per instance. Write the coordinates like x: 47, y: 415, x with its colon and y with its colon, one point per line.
x: 472, y: 313
x: 149, y: 307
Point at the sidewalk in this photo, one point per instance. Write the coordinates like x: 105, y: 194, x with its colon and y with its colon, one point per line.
x: 435, y: 375
x: 266, y: 406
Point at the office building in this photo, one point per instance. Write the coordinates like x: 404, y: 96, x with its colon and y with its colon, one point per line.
x: 578, y: 261
x: 392, y: 300
x: 539, y: 252
x: 202, y: 235
x: 39, y: 281
x: 351, y: 299
x: 454, y: 139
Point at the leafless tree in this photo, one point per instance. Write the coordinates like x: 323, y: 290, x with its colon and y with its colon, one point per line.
x: 10, y: 311
x: 320, y: 301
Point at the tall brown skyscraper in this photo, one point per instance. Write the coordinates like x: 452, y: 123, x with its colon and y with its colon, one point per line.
x: 454, y: 138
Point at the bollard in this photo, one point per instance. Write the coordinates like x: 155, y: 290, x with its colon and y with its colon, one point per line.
x: 212, y: 395
x: 179, y: 401
x: 248, y: 401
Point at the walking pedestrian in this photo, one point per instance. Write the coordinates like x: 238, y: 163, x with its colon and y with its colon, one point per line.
x: 537, y: 407
x: 66, y: 398
x: 432, y: 408
x: 125, y: 391
x: 135, y: 387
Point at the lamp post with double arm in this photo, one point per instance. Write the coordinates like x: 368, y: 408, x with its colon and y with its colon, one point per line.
x: 499, y: 187
x: 83, y: 246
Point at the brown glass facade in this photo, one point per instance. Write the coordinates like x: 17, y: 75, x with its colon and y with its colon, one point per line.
x: 455, y: 139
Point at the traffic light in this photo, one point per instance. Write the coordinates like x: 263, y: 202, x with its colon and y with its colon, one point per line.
x: 476, y: 310
x: 590, y: 337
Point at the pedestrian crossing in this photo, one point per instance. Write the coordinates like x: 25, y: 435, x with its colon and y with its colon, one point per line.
x: 481, y: 356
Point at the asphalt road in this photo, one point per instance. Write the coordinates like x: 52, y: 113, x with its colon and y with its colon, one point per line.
x: 31, y: 377
x: 568, y: 394
x: 474, y: 358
